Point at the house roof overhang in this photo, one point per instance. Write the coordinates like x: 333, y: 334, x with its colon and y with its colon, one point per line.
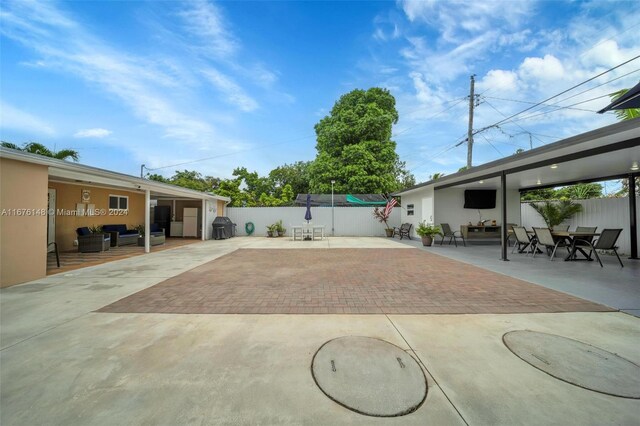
x: 606, y: 153
x: 65, y: 171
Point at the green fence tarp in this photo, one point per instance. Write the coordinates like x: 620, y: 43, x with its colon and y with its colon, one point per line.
x: 351, y: 199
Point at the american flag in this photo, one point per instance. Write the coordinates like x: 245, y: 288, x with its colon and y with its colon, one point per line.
x: 387, y: 210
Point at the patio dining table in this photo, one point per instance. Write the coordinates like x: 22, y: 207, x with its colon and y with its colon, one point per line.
x: 572, y: 237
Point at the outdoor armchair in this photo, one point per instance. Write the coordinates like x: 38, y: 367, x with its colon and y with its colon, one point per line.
x: 403, y: 231
x: 453, y: 235
x: 606, y: 241
x: 89, y: 242
x: 544, y: 238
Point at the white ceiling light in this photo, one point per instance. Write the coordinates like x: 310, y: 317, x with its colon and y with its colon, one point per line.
x: 554, y: 166
x: 634, y: 166
x: 538, y: 182
x: 480, y: 181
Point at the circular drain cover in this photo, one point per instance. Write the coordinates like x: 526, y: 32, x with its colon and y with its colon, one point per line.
x: 577, y: 363
x: 369, y: 376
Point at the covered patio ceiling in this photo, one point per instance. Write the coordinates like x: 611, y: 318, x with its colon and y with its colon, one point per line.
x: 611, y: 152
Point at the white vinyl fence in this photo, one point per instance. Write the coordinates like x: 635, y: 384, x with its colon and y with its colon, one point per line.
x: 600, y: 212
x: 348, y: 221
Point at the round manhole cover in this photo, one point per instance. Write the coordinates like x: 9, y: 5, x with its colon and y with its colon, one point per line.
x: 369, y: 376
x: 577, y: 363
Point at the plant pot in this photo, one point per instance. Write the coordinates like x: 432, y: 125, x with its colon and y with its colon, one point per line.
x: 389, y: 232
x: 270, y: 234
x: 427, y: 240
x: 280, y: 233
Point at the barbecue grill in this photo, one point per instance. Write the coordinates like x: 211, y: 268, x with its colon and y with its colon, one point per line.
x: 223, y: 228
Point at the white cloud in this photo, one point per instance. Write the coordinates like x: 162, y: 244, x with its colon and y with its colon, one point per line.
x: 234, y: 93
x: 92, y: 133
x: 17, y: 119
x: 140, y: 83
x: 548, y: 68
x: 205, y: 21
x: 499, y: 81
x: 454, y: 19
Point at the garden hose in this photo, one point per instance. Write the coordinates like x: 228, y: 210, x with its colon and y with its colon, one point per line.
x: 249, y: 227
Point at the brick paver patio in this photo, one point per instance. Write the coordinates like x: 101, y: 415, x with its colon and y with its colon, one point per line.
x: 345, y: 281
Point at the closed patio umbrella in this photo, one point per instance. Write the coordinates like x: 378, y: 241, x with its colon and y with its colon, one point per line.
x: 307, y: 215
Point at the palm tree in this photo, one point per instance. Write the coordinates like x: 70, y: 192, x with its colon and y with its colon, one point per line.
x: 624, y: 114
x: 38, y: 148
x: 556, y: 213
x: 436, y: 176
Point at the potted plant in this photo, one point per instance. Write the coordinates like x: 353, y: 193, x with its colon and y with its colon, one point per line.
x: 96, y: 229
x: 554, y: 213
x: 427, y: 232
x: 382, y: 215
x: 272, y: 230
x: 280, y: 229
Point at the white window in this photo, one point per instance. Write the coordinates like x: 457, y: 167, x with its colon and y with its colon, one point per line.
x: 409, y: 209
x: 118, y: 202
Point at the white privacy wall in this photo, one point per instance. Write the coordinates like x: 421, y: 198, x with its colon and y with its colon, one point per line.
x: 449, y: 208
x: 349, y: 221
x: 600, y: 212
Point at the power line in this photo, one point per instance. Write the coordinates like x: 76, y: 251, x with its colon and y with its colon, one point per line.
x: 434, y: 115
x: 555, y: 96
x: 226, y: 155
x: 557, y: 109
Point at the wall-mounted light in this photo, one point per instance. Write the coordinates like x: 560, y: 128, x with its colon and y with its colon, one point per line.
x: 538, y: 182
x: 554, y: 166
x: 634, y: 166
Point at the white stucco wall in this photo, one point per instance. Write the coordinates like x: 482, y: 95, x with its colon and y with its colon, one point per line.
x: 420, y: 199
x: 448, y: 207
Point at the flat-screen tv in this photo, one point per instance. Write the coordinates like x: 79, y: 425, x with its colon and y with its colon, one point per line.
x: 480, y: 199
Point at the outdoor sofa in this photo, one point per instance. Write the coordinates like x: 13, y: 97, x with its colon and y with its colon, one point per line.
x: 120, y: 235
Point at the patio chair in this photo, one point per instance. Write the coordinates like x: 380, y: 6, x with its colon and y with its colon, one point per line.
x: 606, y: 241
x: 89, y: 242
x: 523, y: 241
x: 453, y: 235
x: 403, y: 231
x: 544, y: 238
x: 580, y: 244
x: 560, y: 228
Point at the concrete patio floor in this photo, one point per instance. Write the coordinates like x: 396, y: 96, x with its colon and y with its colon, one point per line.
x: 63, y: 363
x: 610, y: 285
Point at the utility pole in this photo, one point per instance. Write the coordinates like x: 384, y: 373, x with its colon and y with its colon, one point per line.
x: 472, y: 101
x: 142, y: 171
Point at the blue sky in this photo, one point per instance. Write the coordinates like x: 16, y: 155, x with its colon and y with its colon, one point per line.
x: 169, y: 82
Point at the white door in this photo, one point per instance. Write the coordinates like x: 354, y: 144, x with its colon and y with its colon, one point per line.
x: 427, y: 209
x: 51, y: 216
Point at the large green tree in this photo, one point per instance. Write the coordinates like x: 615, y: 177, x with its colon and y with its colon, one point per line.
x: 355, y: 148
x: 38, y: 148
x: 295, y: 175
x: 189, y: 179
x: 580, y: 191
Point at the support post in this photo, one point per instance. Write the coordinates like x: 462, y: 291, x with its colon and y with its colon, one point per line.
x: 332, y: 211
x: 633, y: 221
x: 472, y: 101
x: 147, y: 221
x: 503, y: 208
x: 204, y: 219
